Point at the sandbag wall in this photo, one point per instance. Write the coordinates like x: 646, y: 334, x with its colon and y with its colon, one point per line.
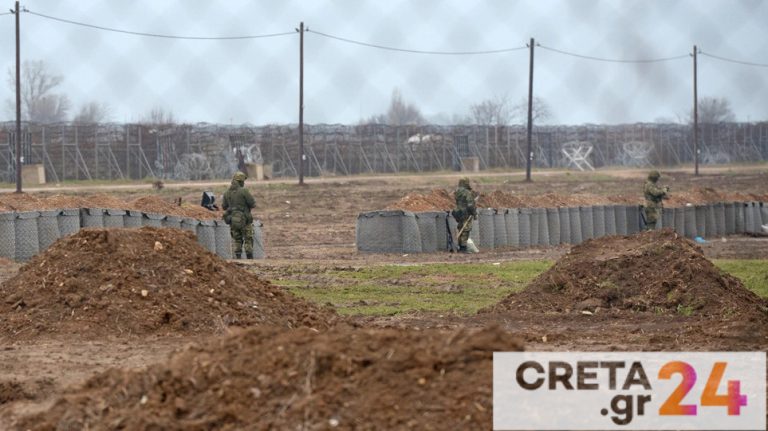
x: 397, y: 231
x: 25, y: 234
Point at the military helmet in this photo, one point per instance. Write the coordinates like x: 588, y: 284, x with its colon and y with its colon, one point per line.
x: 464, y: 182
x: 654, y: 175
x: 239, y: 176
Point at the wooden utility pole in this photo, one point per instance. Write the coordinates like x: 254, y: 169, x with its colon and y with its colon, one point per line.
x: 529, y: 153
x: 18, y: 101
x: 301, y: 104
x: 695, y: 115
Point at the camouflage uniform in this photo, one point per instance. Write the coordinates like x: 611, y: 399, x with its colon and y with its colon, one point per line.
x: 465, y: 209
x: 238, y: 203
x: 653, y: 197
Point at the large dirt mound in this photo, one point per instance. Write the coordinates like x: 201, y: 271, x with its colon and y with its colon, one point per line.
x: 657, y: 271
x: 266, y: 378
x: 141, y: 281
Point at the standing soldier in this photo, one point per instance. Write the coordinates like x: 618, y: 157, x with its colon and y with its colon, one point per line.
x: 237, y: 205
x: 653, y: 197
x: 465, y: 211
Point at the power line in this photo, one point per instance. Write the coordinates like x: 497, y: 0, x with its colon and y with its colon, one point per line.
x: 164, y: 36
x: 7, y: 13
x: 416, y: 51
x: 733, y: 61
x: 612, y: 60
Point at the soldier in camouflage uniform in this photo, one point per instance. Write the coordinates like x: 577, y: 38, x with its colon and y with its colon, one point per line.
x: 654, y: 194
x: 465, y: 209
x: 237, y: 205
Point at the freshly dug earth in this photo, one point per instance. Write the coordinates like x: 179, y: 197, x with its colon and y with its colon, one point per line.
x: 101, y: 282
x: 441, y: 199
x: 153, y: 204
x: 657, y: 271
x: 267, y: 378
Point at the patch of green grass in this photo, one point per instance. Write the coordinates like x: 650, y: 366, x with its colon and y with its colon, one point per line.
x: 396, y: 289
x: 752, y: 272
x: 685, y: 310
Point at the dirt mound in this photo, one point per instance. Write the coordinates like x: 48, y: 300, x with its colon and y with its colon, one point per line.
x: 101, y: 282
x: 658, y: 272
x: 153, y: 204
x: 436, y: 200
x: 266, y: 378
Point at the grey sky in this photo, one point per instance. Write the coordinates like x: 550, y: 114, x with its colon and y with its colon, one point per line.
x: 256, y: 81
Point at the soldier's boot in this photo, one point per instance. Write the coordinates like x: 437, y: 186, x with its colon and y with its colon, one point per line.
x: 249, y: 255
x: 463, y: 249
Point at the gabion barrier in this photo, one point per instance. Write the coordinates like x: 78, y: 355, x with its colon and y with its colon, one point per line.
x: 525, y: 228
x: 8, y: 235
x: 620, y: 212
x: 512, y: 222
x: 47, y: 228
x: 598, y: 216
x: 259, y: 251
x: 223, y: 239
x: 388, y: 232
x: 499, y: 229
x: 133, y: 218
x: 153, y: 219
x: 25, y: 234
x: 553, y: 226
x: 587, y: 222
x: 610, y: 220
x: 730, y: 218
x: 114, y: 218
x: 541, y: 214
x: 190, y: 224
x: 574, y: 216
x: 565, y: 226
x: 92, y: 217
x: 485, y: 234
x: 428, y: 230
x: 27, y: 243
x: 206, y: 235
x: 172, y: 222
x: 69, y: 221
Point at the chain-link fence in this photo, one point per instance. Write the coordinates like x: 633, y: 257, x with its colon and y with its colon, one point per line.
x: 194, y: 91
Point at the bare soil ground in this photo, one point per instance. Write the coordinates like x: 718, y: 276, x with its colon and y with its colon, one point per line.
x: 315, y: 224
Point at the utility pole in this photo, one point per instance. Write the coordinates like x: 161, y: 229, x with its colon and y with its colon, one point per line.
x: 695, y: 115
x: 17, y: 12
x: 301, y: 104
x: 529, y: 153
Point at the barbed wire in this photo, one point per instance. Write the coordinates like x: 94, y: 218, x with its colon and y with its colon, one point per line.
x: 164, y: 36
x: 747, y: 63
x: 415, y: 51
x: 613, y: 60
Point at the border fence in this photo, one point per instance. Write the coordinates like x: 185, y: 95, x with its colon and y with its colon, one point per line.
x: 70, y: 151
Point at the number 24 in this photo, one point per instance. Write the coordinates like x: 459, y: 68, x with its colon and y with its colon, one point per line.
x: 733, y: 400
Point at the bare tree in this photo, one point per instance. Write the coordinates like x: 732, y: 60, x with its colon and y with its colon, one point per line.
x: 714, y: 110
x: 159, y: 116
x: 38, y: 100
x: 541, y: 111
x: 401, y: 113
x: 491, y: 112
x: 92, y: 112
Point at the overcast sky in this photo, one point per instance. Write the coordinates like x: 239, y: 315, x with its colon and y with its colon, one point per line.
x: 256, y: 80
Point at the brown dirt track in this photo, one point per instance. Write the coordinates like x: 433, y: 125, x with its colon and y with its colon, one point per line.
x: 316, y: 224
